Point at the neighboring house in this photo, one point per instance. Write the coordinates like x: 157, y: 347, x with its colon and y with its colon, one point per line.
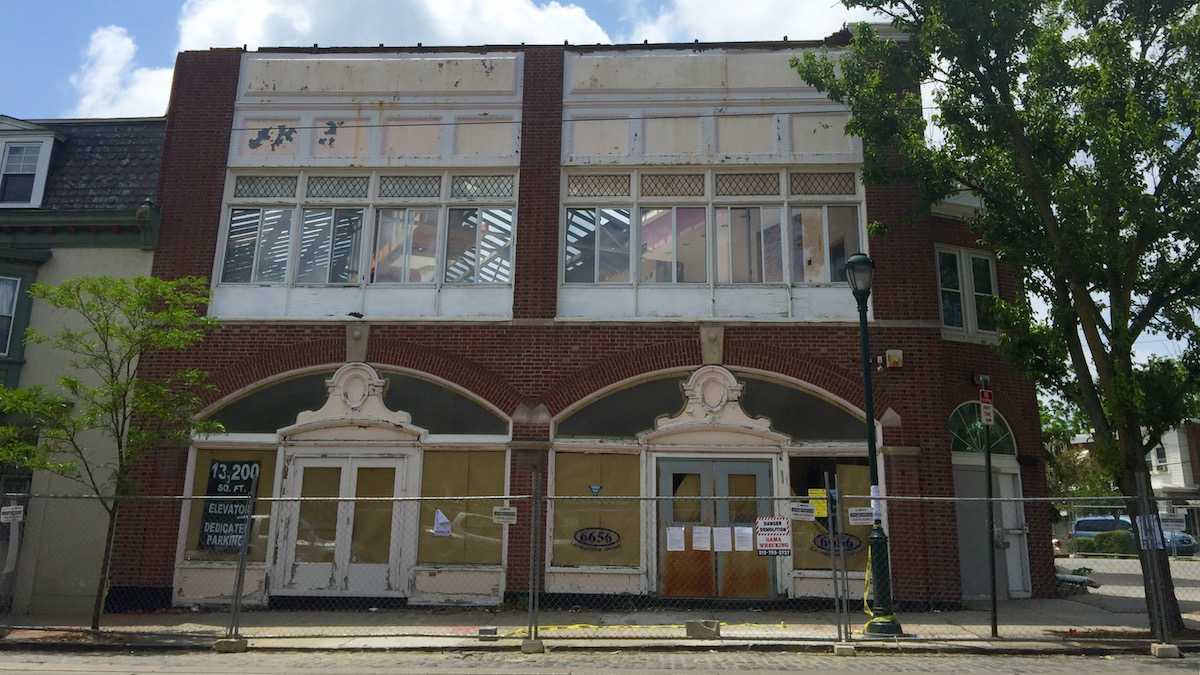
x: 438, y: 270
x: 76, y: 199
x: 1175, y: 468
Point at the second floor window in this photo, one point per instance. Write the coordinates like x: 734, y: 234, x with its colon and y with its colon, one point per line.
x: 350, y: 230
x: 710, y: 228
x: 967, y: 287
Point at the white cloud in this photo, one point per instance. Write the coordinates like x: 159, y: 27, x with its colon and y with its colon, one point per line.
x: 716, y: 20
x: 232, y: 23
x: 109, y: 83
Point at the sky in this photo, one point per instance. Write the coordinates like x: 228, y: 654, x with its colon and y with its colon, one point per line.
x: 92, y: 58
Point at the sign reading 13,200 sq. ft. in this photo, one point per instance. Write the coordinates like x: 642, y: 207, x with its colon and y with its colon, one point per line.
x: 223, y: 521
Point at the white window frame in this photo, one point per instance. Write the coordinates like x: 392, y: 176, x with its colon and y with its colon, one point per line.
x: 966, y: 280
x: 46, y: 144
x: 11, y: 314
x: 783, y: 200
x: 370, y: 206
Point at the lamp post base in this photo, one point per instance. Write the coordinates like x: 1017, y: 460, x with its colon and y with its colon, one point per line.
x: 883, y: 622
x: 882, y: 627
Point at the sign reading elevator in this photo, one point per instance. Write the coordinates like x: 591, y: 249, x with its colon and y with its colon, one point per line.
x: 223, y: 521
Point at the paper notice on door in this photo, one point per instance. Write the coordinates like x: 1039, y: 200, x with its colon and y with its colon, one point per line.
x: 722, y: 539
x: 701, y: 538
x: 675, y: 539
x: 441, y: 524
x: 743, y: 538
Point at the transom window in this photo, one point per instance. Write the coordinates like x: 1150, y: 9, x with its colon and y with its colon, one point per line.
x: 9, y: 288
x: 709, y: 227
x: 966, y: 431
x: 19, y: 170
x: 967, y: 288
x: 369, y: 228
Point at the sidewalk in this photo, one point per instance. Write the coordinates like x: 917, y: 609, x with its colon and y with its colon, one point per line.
x: 1043, y: 625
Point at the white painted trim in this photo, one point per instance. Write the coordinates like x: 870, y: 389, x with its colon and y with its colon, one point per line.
x: 46, y: 147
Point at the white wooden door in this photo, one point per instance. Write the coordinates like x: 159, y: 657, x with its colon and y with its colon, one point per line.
x: 343, y: 537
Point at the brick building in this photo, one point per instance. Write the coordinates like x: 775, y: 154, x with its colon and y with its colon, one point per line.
x: 438, y: 270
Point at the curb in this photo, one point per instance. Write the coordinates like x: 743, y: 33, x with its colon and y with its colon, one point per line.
x: 863, y: 647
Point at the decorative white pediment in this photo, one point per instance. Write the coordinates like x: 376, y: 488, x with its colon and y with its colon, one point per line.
x: 713, y: 395
x: 355, y: 402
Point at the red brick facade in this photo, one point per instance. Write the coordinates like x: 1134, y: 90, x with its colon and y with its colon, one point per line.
x: 535, y: 359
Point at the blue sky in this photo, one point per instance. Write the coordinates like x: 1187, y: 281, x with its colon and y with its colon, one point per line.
x: 88, y: 58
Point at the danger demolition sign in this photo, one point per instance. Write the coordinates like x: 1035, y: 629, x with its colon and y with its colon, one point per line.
x: 773, y: 535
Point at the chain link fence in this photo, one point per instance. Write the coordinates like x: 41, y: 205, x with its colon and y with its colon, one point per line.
x: 367, y: 570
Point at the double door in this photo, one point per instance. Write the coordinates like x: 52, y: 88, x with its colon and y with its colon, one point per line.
x: 700, y: 571
x: 344, y: 537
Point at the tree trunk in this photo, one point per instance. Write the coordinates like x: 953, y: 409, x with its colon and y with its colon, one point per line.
x: 105, y: 562
x: 1153, y: 559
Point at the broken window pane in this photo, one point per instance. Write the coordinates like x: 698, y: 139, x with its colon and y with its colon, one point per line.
x: 808, y: 246
x: 692, y: 253
x: 614, y: 245
x: 843, y: 239
x: 274, y: 240
x: 239, y: 246
x: 580, y: 260
x: 658, y: 245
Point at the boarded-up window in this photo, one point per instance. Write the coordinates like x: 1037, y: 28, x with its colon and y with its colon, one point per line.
x: 465, y: 533
x: 814, y: 544
x: 217, y: 468
x: 597, y: 532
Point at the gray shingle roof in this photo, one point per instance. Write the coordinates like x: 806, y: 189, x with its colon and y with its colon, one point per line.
x: 103, y: 164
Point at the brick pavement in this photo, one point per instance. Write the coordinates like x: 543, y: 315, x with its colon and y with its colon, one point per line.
x: 576, y: 662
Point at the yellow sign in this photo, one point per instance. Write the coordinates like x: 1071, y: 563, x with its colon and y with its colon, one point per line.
x: 816, y: 497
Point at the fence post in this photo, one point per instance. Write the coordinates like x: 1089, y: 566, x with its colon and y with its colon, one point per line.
x: 235, y: 615
x: 532, y: 644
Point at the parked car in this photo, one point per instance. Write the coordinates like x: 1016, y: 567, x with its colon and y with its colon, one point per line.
x: 1178, y: 543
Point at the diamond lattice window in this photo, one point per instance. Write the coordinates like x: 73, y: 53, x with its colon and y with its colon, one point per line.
x: 338, y: 187
x: 481, y: 187
x: 673, y: 185
x: 747, y: 184
x: 598, y: 185
x: 265, y: 186
x: 823, y: 184
x: 409, y: 186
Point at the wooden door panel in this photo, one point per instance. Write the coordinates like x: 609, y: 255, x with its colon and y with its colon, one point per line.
x: 745, y: 574
x: 688, y: 574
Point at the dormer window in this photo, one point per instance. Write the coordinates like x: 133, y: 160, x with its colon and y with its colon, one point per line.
x: 19, y: 172
x: 24, y: 162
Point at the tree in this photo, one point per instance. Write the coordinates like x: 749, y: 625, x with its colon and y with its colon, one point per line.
x: 106, y: 412
x: 1072, y: 470
x: 1075, y: 123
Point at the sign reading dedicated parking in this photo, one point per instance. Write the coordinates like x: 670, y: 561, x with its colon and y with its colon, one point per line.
x: 223, y: 521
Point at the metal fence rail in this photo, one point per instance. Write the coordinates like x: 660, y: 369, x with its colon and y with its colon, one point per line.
x: 373, y: 570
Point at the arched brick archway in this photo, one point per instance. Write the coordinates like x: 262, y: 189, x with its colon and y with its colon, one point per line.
x: 813, y: 371
x: 466, y: 373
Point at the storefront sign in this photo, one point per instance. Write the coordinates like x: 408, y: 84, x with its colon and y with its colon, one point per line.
x: 223, y: 521
x: 12, y: 514
x: 602, y: 538
x: 825, y: 543
x: 504, y: 515
x: 802, y: 511
x: 773, y: 535
x: 861, y: 515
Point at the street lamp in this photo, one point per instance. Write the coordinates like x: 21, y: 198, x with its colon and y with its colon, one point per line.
x: 860, y: 272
